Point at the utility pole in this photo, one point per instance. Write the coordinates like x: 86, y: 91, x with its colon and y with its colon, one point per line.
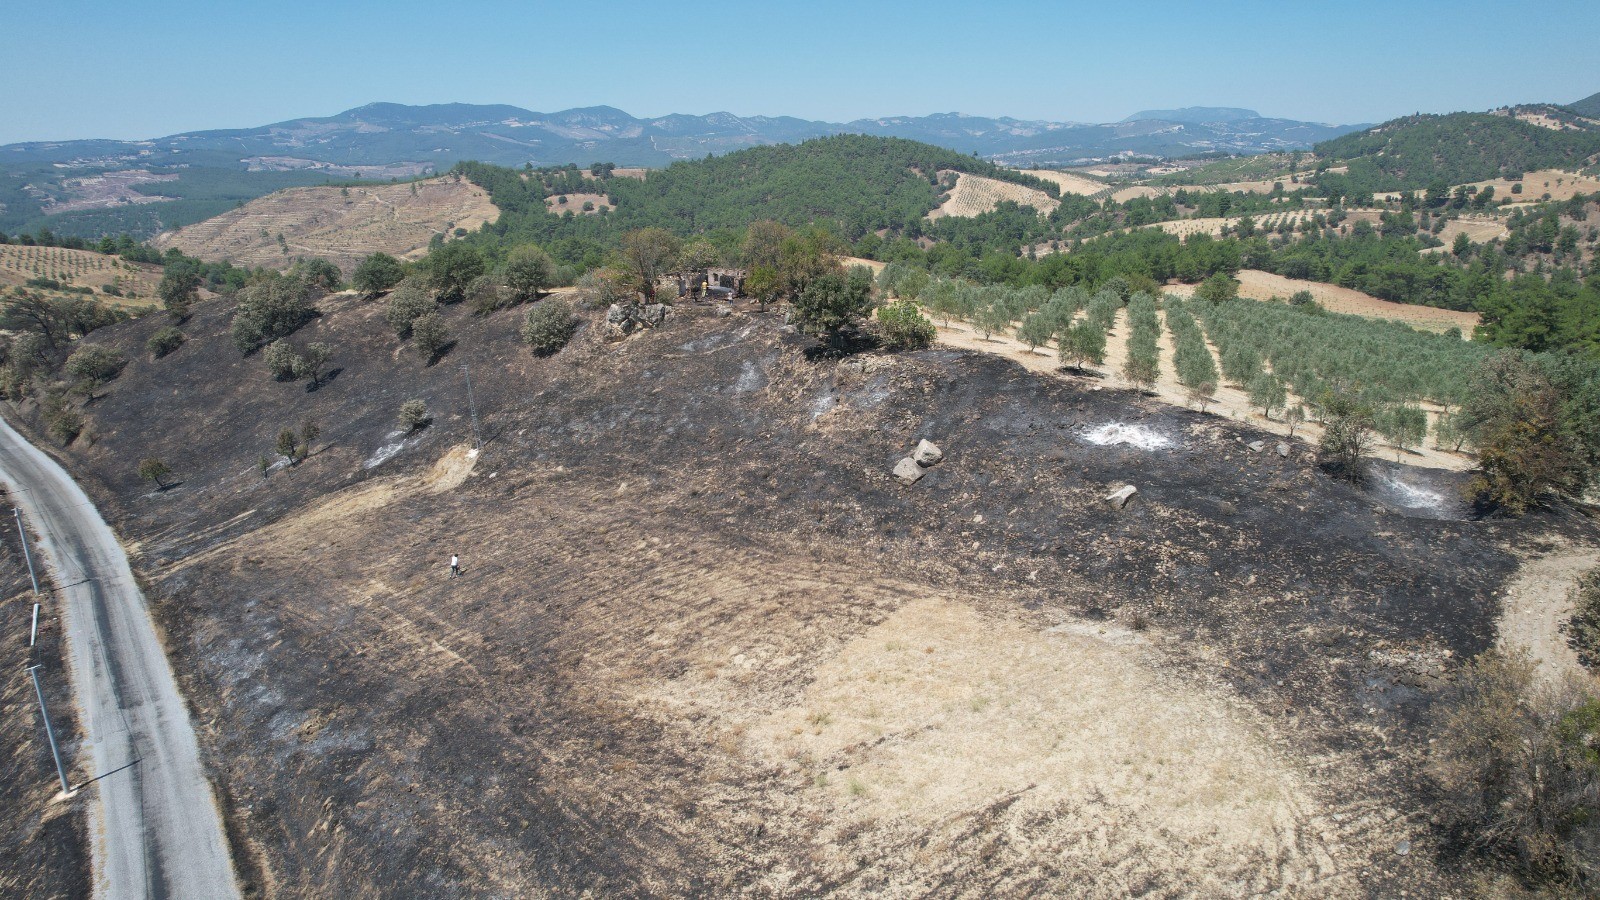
x: 49, y: 732
x: 472, y: 408
x: 23, y: 533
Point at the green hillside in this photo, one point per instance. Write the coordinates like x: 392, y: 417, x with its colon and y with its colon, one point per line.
x: 1588, y: 106
x: 855, y: 183
x: 1416, y: 151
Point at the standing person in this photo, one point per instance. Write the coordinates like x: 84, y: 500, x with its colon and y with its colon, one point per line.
x: 455, y: 566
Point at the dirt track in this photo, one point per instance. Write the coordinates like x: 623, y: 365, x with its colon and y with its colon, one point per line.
x: 704, y: 643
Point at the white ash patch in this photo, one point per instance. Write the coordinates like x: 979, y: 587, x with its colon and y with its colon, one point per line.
x: 1113, y: 433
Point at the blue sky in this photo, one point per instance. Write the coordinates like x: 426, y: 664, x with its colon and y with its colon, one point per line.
x: 145, y: 69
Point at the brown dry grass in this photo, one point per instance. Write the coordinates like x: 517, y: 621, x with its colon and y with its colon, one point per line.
x: 575, y: 204
x: 341, y: 225
x: 80, y: 268
x: 975, y: 195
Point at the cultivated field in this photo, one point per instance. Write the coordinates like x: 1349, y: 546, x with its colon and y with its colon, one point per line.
x: 1257, y: 285
x: 975, y: 195
x: 80, y: 268
x: 1069, y: 182
x: 339, y: 224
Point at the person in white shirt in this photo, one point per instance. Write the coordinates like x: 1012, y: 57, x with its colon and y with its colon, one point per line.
x: 455, y: 566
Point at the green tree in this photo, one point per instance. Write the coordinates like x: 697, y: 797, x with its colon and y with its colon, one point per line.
x: 95, y: 364
x: 1268, y: 393
x: 319, y: 273
x: 1082, y: 344
x: 311, y: 363
x: 1142, y: 368
x: 1527, y: 438
x: 407, y: 302
x: 1219, y: 288
x: 528, y: 272
x: 1346, y: 434
x: 833, y: 303
x: 648, y: 254
x: 377, y: 273
x: 281, y: 360
x: 178, y: 290
x: 450, y: 268
x: 430, y: 336
x: 271, y: 309
x: 1036, y: 329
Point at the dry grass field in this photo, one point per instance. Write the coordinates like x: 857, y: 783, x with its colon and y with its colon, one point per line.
x: 80, y: 268
x: 975, y: 195
x: 575, y: 204
x: 340, y: 224
x: 1069, y: 182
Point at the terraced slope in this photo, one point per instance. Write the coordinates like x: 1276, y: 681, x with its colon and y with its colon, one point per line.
x: 340, y: 224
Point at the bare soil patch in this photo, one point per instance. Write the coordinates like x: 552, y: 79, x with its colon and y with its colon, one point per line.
x: 340, y: 224
x: 1539, y: 604
x: 575, y: 204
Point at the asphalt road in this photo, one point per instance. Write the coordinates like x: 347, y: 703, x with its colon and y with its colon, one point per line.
x: 155, y: 827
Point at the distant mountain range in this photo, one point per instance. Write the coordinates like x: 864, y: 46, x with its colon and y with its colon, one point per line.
x: 388, y: 134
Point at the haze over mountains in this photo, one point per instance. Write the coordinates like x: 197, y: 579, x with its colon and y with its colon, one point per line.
x: 390, y: 133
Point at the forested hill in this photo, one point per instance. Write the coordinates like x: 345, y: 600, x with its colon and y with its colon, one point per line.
x: 1413, y: 152
x: 856, y: 183
x: 1588, y: 106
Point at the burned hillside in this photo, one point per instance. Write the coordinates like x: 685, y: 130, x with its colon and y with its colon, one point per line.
x: 704, y: 642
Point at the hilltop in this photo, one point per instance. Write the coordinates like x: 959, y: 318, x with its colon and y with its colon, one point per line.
x: 340, y: 224
x: 89, y: 188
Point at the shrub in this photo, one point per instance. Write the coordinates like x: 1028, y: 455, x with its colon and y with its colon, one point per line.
x: 1585, y: 626
x: 318, y: 272
x: 62, y: 421
x: 602, y: 287
x: 95, y: 364
x: 903, y: 326
x: 377, y: 273
x: 486, y: 295
x: 1219, y: 288
x: 154, y: 470
x: 548, y: 326
x: 269, y: 310
x: 1517, y: 774
x: 280, y: 359
x: 409, y: 301
x: 430, y: 336
x: 414, y: 415
x: 164, y: 341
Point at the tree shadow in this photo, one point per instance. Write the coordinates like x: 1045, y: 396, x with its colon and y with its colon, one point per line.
x: 842, y: 345
x: 314, y: 386
x: 439, y: 354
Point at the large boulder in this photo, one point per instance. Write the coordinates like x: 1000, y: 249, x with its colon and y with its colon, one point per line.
x: 1120, y: 497
x: 927, y: 454
x: 906, y: 471
x: 654, y: 314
